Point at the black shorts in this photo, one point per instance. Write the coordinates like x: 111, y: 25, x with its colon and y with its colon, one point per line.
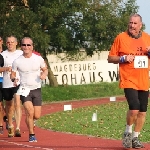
x: 8, y: 93
x: 34, y: 96
x: 137, y: 99
x: 1, y: 91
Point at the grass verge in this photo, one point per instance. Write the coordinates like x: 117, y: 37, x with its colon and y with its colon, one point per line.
x: 110, y: 117
x: 78, y: 92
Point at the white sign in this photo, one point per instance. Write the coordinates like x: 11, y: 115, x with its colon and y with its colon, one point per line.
x: 67, y: 107
x: 84, y: 72
x: 94, y: 117
x: 112, y: 99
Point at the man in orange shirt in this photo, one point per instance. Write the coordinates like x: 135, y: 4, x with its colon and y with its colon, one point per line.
x: 130, y: 50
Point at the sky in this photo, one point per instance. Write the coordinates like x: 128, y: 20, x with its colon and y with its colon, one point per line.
x: 144, y: 11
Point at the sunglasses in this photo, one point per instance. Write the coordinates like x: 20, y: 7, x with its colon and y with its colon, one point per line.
x: 25, y: 44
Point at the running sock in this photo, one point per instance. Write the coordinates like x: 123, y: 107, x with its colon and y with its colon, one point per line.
x: 31, y: 135
x: 129, y: 128
x: 135, y: 134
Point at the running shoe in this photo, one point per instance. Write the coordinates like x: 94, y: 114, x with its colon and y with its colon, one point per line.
x: 32, y: 138
x: 17, y: 133
x: 136, y: 143
x: 127, y: 140
x: 11, y: 132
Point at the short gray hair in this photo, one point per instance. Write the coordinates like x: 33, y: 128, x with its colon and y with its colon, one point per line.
x: 136, y: 15
x: 27, y: 38
x: 10, y: 37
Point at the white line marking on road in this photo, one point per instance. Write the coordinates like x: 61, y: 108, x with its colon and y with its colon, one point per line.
x: 24, y: 145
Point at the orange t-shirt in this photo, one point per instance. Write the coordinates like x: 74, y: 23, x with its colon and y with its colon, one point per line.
x: 130, y: 77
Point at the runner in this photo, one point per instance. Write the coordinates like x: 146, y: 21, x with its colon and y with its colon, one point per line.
x: 130, y: 50
x: 9, y: 56
x: 29, y: 66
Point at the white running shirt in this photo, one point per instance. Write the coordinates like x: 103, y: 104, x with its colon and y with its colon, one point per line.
x: 9, y: 57
x: 29, y: 70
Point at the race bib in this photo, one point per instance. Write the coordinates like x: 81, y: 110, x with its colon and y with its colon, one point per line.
x: 24, y: 91
x: 141, y: 62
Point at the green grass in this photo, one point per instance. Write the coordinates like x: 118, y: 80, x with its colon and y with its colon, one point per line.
x: 78, y: 92
x: 111, y: 117
x: 110, y: 122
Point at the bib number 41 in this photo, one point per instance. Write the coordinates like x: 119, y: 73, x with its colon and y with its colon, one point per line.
x: 141, y: 62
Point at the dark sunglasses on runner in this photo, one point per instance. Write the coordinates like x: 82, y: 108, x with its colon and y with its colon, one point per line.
x: 25, y: 44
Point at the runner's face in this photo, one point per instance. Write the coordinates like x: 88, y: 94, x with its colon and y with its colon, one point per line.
x: 11, y: 44
x: 27, y: 46
x: 134, y: 25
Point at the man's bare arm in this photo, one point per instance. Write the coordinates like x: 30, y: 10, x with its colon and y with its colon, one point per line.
x: 3, y: 69
x: 44, y: 73
x: 113, y: 59
x: 12, y: 75
x: 121, y: 59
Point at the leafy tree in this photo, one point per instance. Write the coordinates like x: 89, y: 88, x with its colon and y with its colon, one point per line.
x: 104, y: 20
x: 66, y: 24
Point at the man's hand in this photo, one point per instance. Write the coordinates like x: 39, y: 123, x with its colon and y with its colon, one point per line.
x: 43, y: 76
x: 129, y: 58
x: 8, y: 69
x: 148, y: 48
x: 16, y: 82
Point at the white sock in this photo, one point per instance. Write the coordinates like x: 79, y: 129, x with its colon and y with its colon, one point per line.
x: 135, y: 134
x: 129, y: 128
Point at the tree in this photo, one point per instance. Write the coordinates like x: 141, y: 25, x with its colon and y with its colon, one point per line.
x: 66, y: 25
x: 104, y: 20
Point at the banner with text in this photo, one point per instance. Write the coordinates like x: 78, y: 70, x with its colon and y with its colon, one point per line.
x: 85, y: 72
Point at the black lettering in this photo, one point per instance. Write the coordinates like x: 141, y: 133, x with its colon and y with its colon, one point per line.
x: 70, y: 67
x: 89, y: 66
x: 64, y: 79
x: 65, y: 68
x: 113, y: 75
x: 73, y: 78
x: 79, y: 67
x: 94, y: 66
x: 92, y: 77
x: 84, y: 67
x: 82, y: 79
x: 60, y: 69
x: 56, y: 68
x: 140, y: 48
x: 99, y: 74
x: 75, y: 67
